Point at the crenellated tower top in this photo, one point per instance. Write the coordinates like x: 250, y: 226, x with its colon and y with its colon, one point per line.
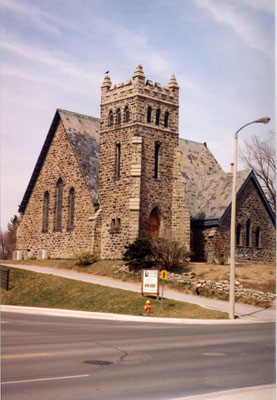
x: 139, y: 85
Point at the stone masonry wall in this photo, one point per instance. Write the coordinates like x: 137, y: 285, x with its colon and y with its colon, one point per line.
x: 213, y: 244
x: 61, y: 163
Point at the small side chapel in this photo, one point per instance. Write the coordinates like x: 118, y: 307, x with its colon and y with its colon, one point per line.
x: 100, y: 184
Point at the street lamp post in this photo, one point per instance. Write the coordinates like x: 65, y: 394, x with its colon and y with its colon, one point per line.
x: 263, y: 120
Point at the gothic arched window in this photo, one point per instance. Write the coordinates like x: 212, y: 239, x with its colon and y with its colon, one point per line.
x: 238, y: 235
x: 117, y: 161
x: 248, y: 233
x: 118, y: 117
x: 126, y: 114
x: 258, y: 237
x: 157, y: 156
x: 71, y: 208
x: 158, y: 114
x: 149, y: 112
x: 166, y: 116
x: 110, y: 118
x: 45, y: 212
x: 59, y: 205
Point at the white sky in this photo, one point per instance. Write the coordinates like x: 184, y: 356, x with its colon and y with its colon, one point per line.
x: 54, y: 55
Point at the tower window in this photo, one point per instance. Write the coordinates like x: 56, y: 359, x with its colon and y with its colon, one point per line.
x: 166, y: 116
x: 117, y: 161
x: 59, y: 205
x: 45, y: 212
x: 110, y: 118
x: 118, y: 117
x: 126, y: 114
x: 158, y: 114
x: 149, y: 112
x: 157, y: 154
x: 71, y: 207
x: 248, y: 232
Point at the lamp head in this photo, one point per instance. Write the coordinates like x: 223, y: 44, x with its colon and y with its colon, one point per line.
x: 264, y: 120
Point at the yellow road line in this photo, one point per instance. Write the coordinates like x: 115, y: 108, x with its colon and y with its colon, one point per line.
x: 24, y: 355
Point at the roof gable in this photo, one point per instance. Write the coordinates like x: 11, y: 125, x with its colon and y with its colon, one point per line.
x: 214, y: 196
x: 83, y: 134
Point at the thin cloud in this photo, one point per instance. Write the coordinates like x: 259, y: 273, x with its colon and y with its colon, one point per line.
x: 228, y: 15
x: 265, y: 5
x: 42, y: 19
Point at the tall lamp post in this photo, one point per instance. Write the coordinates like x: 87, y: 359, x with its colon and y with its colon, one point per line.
x: 263, y: 120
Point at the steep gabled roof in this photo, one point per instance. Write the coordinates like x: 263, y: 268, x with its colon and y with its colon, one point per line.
x: 214, y: 195
x: 196, y: 160
x: 83, y: 134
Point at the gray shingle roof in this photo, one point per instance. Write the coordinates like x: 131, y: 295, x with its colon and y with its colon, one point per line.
x: 83, y: 134
x: 214, y: 194
x: 196, y: 161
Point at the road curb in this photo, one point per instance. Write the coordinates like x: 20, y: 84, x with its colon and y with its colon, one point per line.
x: 119, y: 317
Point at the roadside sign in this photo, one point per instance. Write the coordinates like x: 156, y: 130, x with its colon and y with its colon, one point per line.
x: 164, y: 274
x: 241, y: 255
x: 150, y: 282
x: 163, y: 277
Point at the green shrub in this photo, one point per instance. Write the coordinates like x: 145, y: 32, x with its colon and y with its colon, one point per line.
x: 85, y: 258
x: 139, y: 254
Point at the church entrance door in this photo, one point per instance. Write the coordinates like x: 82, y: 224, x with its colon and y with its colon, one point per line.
x: 154, y: 224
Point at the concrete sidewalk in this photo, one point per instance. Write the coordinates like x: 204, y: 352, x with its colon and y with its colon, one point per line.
x: 243, y: 311
x: 266, y: 392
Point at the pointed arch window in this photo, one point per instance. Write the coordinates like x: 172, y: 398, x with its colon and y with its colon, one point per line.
x: 149, y: 112
x: 71, y: 208
x: 110, y: 118
x: 258, y: 237
x: 248, y: 233
x: 59, y: 205
x: 166, y: 117
x: 126, y: 114
x: 158, y: 114
x: 238, y: 235
x: 118, y: 117
x: 45, y: 212
x: 117, y: 161
x: 157, y: 156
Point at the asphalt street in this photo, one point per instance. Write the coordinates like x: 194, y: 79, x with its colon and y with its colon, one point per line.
x: 47, y: 358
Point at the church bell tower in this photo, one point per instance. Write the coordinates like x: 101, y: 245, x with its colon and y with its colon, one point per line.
x: 137, y: 163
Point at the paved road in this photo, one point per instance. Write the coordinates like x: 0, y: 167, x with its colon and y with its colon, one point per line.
x: 243, y: 311
x: 47, y: 358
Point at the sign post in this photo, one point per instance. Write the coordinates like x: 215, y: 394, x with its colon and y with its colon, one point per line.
x: 150, y: 282
x: 163, y: 277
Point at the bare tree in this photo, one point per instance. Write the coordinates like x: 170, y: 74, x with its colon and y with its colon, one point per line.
x: 169, y: 254
x: 260, y: 155
x: 8, y: 239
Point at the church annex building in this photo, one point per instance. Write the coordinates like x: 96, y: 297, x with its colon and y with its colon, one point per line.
x: 98, y: 184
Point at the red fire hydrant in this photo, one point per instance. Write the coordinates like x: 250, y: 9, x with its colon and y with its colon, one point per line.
x: 147, y: 307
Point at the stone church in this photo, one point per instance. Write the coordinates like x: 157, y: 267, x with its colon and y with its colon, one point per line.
x: 99, y: 184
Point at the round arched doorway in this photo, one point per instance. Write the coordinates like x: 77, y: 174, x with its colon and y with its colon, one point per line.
x: 154, y: 223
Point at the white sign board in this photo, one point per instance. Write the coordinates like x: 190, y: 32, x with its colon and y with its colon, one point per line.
x: 150, y: 281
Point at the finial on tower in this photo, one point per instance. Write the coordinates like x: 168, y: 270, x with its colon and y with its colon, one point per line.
x: 173, y: 83
x: 107, y: 82
x: 139, y: 73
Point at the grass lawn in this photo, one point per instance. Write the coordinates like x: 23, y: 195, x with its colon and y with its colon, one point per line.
x: 39, y: 290
x: 252, y: 276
